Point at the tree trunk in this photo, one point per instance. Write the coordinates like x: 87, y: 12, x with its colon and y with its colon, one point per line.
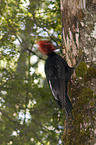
x: 78, y: 26
x: 78, y: 20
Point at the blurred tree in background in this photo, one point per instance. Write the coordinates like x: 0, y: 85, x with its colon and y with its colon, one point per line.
x: 29, y: 114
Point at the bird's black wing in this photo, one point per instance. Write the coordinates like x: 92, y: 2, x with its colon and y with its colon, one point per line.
x: 55, y: 73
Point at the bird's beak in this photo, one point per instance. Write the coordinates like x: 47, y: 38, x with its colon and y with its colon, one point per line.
x: 57, y: 50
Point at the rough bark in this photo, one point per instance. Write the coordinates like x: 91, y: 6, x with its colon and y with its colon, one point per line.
x: 78, y: 24
x: 78, y: 20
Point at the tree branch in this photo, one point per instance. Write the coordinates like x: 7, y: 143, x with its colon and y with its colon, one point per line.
x: 34, y: 53
x: 44, y: 29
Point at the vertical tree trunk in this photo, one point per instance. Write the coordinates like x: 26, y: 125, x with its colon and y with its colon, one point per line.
x: 78, y: 24
x: 78, y: 19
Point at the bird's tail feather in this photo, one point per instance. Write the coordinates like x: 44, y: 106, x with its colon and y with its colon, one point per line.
x: 68, y: 106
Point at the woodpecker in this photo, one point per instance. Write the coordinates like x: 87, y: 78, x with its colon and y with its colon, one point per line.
x: 58, y: 74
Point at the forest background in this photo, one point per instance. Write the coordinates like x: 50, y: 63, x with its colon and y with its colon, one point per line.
x: 29, y: 114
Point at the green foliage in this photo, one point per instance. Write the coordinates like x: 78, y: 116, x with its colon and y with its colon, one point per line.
x: 29, y: 114
x: 28, y: 111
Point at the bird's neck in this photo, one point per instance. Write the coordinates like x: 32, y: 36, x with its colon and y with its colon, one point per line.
x: 51, y: 54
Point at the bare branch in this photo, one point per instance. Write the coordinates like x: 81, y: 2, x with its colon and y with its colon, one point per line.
x: 34, y: 53
x: 44, y: 29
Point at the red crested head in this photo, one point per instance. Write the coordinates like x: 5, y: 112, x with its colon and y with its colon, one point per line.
x: 45, y: 47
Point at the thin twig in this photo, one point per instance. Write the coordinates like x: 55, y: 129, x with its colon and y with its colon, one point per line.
x: 34, y: 53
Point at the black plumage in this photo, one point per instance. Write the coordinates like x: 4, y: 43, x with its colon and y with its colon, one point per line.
x: 58, y: 73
